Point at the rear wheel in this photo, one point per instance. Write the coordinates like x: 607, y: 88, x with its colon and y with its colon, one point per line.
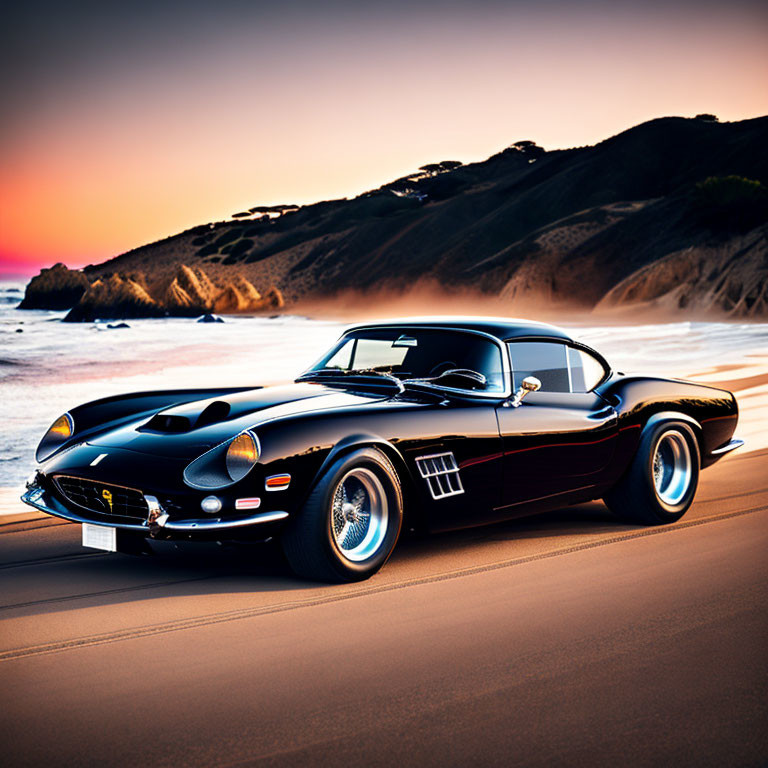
x: 350, y: 522
x: 661, y: 482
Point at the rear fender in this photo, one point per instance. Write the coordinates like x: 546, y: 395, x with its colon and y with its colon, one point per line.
x: 677, y: 416
x: 673, y: 416
x: 712, y: 413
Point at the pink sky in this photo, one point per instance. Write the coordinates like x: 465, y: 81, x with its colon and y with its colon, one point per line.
x: 276, y: 111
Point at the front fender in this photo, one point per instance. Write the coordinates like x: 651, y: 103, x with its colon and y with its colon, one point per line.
x: 352, y: 443
x: 366, y: 440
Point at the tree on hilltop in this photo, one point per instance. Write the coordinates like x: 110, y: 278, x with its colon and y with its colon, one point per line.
x: 529, y: 148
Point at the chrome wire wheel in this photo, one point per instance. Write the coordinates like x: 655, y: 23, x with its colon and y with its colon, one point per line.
x: 672, y: 468
x: 359, y: 514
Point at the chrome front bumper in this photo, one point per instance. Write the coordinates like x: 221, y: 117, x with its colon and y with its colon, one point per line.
x: 36, y: 497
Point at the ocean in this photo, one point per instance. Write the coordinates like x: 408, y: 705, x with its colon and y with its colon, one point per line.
x: 47, y: 367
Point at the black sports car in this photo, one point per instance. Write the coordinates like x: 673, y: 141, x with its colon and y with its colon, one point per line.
x: 445, y: 423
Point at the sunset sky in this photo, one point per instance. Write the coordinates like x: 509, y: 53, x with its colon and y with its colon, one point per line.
x: 125, y: 123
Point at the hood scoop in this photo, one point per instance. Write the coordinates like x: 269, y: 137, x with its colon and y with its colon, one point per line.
x: 167, y: 423
x: 172, y: 423
x: 217, y: 411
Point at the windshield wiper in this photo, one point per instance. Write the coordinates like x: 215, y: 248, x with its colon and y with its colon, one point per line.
x: 362, y: 372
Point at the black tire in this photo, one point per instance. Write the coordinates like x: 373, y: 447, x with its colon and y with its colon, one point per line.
x: 661, y: 482
x: 313, y: 544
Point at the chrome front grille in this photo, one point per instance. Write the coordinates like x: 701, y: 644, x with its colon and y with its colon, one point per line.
x: 103, y: 498
x: 441, y: 473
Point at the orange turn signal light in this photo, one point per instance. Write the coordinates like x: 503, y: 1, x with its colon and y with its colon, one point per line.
x: 277, y: 482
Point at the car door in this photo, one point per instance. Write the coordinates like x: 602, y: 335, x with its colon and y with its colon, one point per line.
x: 455, y: 458
x: 561, y: 438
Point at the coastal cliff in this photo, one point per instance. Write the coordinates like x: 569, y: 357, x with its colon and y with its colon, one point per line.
x: 671, y: 213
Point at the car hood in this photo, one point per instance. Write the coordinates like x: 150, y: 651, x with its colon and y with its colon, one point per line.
x: 189, y: 429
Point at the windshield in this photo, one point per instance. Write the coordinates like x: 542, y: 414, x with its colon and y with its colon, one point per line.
x: 416, y: 354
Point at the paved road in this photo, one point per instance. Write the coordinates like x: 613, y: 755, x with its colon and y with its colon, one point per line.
x: 566, y: 639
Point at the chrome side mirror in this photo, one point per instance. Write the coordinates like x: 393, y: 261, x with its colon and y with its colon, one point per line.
x: 528, y: 384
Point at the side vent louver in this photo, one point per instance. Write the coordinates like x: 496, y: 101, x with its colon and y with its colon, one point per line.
x: 441, y: 473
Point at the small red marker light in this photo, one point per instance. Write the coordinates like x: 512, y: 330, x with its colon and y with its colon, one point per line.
x: 252, y: 503
x: 277, y: 482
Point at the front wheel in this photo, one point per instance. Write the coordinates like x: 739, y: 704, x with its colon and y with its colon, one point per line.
x: 350, y: 522
x: 661, y: 482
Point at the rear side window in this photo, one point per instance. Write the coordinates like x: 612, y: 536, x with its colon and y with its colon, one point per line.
x: 558, y: 367
x: 586, y: 371
x: 547, y: 361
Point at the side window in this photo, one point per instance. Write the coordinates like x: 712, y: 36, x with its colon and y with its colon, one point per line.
x: 586, y: 371
x: 545, y: 360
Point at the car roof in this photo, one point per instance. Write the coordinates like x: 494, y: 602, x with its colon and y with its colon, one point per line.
x: 502, y: 328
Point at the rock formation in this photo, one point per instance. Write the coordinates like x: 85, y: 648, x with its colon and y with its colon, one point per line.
x: 242, y: 296
x: 230, y: 300
x: 176, y: 299
x: 55, y: 288
x: 247, y: 290
x: 197, y: 285
x: 190, y: 293
x: 114, y: 297
x: 273, y: 299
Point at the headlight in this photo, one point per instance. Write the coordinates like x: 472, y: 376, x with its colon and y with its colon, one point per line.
x: 62, y: 428
x: 59, y: 432
x: 242, y: 454
x: 225, y: 464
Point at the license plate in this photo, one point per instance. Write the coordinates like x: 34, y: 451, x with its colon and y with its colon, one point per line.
x: 100, y: 537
